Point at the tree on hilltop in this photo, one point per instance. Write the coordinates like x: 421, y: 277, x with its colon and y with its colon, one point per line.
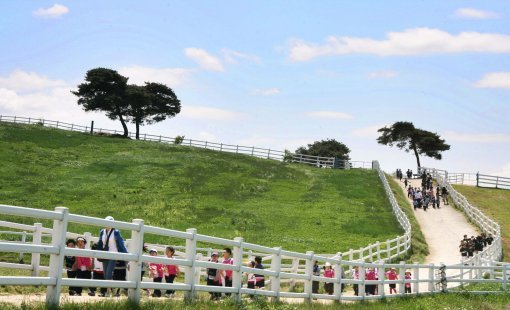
x: 106, y: 90
x: 151, y: 103
x: 405, y: 136
x: 326, y: 148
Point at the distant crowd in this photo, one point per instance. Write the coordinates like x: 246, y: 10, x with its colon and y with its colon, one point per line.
x: 470, y: 246
x: 425, y: 196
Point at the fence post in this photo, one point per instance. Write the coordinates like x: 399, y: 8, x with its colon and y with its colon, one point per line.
x: 268, y: 153
x: 416, y: 271
x: 401, y: 276
x: 91, y: 127
x: 29, y: 120
x: 276, y: 262
x: 252, y: 150
x: 337, y: 287
x: 237, y: 275
x: 350, y: 259
x: 388, y: 249
x: 380, y: 275
x: 135, y: 267
x: 58, y: 240
x: 378, y: 245
x: 36, y: 257
x: 505, y: 277
x: 221, y: 147
x: 361, y: 254
x: 189, y: 276
x: 237, y: 149
x: 87, y: 236
x: 370, y: 254
x: 294, y: 269
x: 309, y: 274
x: 431, y: 277
x: 361, y: 289
x: 23, y: 240
x: 497, y: 181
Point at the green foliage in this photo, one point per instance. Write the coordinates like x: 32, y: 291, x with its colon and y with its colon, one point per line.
x: 221, y: 194
x: 178, y: 140
x: 326, y: 148
x: 405, y: 136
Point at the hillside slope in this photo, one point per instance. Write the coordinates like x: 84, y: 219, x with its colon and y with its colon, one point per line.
x: 221, y: 194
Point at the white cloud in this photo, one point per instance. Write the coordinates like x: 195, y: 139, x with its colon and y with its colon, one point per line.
x: 168, y: 76
x: 470, y: 13
x: 233, y: 57
x: 330, y: 115
x: 495, y: 80
x: 266, y: 91
x: 369, y: 132
x: 382, y: 75
x: 54, y: 11
x: 21, y: 80
x: 416, y: 41
x: 204, y: 59
x: 476, y: 138
x: 208, y: 113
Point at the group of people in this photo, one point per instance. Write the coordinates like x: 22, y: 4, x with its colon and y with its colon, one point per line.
x: 423, y: 198
x: 372, y: 273
x: 400, y: 175
x: 469, y: 246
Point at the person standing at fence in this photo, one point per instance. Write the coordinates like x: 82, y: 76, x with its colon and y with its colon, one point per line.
x: 316, y: 272
x: 328, y: 273
x: 392, y: 275
x: 69, y: 263
x: 157, y: 272
x: 355, y: 276
x: 171, y: 270
x: 110, y: 240
x: 407, y: 285
x: 227, y: 274
x: 119, y: 274
x: 370, y: 275
x: 259, y: 278
x: 82, y: 265
x: 213, y: 276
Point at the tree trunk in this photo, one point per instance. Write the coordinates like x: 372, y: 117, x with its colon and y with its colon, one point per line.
x: 417, y: 157
x: 137, y: 130
x: 124, y: 126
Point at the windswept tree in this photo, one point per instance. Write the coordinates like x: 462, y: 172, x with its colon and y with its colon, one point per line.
x: 104, y: 90
x: 406, y: 137
x: 326, y: 148
x: 150, y: 104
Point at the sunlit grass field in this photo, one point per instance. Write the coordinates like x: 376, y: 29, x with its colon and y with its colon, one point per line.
x: 271, y: 203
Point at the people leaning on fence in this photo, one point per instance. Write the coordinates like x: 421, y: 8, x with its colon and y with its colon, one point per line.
x: 82, y: 265
x: 69, y: 264
x: 227, y: 274
x: 407, y: 285
x: 355, y: 276
x: 157, y: 272
x: 316, y: 272
x: 171, y: 270
x: 260, y: 281
x: 110, y: 240
x: 328, y: 273
x: 213, y: 276
x: 392, y: 275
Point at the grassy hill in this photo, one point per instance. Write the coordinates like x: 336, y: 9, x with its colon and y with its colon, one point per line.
x: 495, y: 203
x: 221, y: 194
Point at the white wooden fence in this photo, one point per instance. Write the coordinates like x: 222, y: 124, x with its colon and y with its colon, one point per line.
x: 326, y: 162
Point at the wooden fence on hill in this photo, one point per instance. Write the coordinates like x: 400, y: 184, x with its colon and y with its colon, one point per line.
x: 318, y: 161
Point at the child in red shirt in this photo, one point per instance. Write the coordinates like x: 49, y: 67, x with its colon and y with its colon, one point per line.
x: 157, y: 271
x: 82, y: 265
x: 171, y: 270
x: 328, y: 273
x: 392, y: 275
x: 407, y: 284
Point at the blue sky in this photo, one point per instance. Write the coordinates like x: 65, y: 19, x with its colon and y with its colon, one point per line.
x: 279, y: 74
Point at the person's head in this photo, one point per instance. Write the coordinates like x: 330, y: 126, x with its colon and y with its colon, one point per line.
x: 327, y: 265
x: 93, y: 246
x: 144, y: 248
x: 251, y: 264
x: 214, y: 256
x: 170, y: 251
x: 258, y: 260
x: 109, y: 218
x: 393, y: 269
x: 153, y: 252
x: 80, y: 242
x: 71, y: 243
x: 227, y: 252
x: 315, y: 263
x: 408, y: 273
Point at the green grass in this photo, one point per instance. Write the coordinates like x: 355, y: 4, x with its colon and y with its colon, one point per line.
x: 463, y: 301
x: 495, y: 203
x: 226, y: 195
x: 419, y: 247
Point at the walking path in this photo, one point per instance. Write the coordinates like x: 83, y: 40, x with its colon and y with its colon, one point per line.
x: 443, y: 229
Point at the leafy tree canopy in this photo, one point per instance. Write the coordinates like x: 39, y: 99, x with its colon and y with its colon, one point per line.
x: 406, y: 137
x: 326, y: 148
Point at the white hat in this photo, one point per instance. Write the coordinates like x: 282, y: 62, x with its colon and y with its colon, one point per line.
x: 153, y: 250
x: 109, y: 218
x: 328, y: 264
x: 214, y: 253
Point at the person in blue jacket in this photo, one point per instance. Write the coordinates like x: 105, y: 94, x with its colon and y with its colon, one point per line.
x: 110, y: 240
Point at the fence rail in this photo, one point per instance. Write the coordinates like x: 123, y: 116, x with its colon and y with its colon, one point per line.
x: 326, y: 162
